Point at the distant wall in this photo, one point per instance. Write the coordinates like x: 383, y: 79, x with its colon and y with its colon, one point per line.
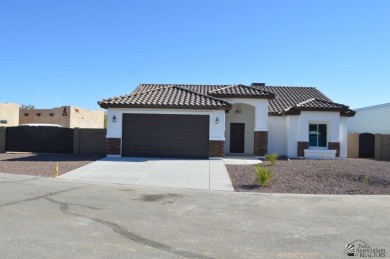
x: 45, y: 116
x: 2, y: 139
x: 86, y: 118
x: 65, y: 116
x: 353, y: 145
x: 89, y: 141
x: 9, y: 114
x: 382, y: 146
x: 85, y: 141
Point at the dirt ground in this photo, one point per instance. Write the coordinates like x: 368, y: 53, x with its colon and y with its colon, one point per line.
x: 348, y: 176
x: 43, y: 164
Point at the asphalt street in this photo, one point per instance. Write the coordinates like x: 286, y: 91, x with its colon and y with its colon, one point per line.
x: 54, y: 218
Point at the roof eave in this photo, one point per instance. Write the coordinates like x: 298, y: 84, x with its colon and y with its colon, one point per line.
x: 323, y: 109
x: 297, y: 111
x: 164, y: 106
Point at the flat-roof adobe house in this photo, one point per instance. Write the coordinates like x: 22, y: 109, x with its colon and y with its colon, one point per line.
x: 11, y: 114
x: 201, y: 121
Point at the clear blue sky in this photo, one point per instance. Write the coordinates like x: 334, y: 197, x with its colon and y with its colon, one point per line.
x: 55, y: 53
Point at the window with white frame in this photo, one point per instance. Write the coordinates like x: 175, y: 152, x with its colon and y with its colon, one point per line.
x: 317, y: 135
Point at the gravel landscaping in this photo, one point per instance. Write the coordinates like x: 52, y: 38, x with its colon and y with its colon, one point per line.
x: 43, y: 164
x: 349, y: 176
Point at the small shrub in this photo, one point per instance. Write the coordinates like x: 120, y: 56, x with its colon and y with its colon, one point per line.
x: 263, y: 176
x: 272, y: 158
x: 330, y: 165
x: 366, y: 181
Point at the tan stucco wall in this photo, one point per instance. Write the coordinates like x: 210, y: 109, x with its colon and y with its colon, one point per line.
x: 31, y: 116
x: 382, y: 147
x: 9, y: 112
x: 74, y: 117
x: 353, y: 145
x: 80, y: 118
x: 385, y: 147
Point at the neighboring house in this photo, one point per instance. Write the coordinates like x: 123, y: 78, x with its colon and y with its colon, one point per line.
x: 199, y: 121
x: 372, y: 119
x: 9, y: 114
x: 65, y: 116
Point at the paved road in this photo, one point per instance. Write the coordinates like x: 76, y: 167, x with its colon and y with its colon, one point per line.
x: 53, y: 218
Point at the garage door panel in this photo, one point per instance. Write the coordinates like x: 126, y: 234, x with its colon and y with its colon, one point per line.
x: 163, y: 135
x: 183, y: 128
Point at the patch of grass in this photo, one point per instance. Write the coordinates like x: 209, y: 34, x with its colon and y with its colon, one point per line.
x: 365, y: 181
x: 263, y: 175
x: 272, y: 158
x: 330, y: 165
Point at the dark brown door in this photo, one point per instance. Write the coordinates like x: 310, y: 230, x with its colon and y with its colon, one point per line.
x: 366, y: 145
x: 165, y: 135
x: 237, y: 137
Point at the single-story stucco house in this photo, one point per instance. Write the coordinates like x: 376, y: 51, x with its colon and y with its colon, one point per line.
x: 201, y: 121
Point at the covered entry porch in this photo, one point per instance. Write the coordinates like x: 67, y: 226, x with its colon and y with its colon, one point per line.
x: 246, y: 127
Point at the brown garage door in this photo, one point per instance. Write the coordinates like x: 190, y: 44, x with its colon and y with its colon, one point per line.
x: 165, y: 135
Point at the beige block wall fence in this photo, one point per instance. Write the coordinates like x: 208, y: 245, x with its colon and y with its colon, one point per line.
x: 65, y: 116
x: 9, y: 114
x: 353, y: 145
x: 382, y: 146
x: 89, y: 141
x: 85, y: 141
x: 2, y: 139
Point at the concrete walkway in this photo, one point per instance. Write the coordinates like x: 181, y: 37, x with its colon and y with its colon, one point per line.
x: 241, y: 160
x: 159, y: 172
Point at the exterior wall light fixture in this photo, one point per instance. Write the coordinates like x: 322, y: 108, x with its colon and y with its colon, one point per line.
x: 113, y: 118
x: 216, y: 120
x: 238, y: 111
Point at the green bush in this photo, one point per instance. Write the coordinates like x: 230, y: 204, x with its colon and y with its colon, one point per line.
x: 272, y: 158
x: 365, y: 181
x: 263, y: 175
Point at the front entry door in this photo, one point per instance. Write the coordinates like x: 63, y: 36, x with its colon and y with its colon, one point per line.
x: 237, y: 137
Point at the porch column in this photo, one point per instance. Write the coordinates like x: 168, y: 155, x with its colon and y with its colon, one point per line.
x: 113, y: 146
x: 261, y: 143
x: 217, y: 134
x: 261, y: 128
x: 216, y: 148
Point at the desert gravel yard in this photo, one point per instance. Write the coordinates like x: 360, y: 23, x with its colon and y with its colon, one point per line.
x: 42, y: 164
x: 348, y: 176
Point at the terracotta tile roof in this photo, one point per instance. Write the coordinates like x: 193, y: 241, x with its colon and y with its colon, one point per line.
x: 282, y: 99
x: 241, y: 91
x: 318, y: 104
x: 172, y: 97
x: 293, y: 99
x: 287, y: 96
x: 203, y: 89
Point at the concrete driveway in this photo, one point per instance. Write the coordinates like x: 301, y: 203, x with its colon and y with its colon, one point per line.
x: 159, y: 172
